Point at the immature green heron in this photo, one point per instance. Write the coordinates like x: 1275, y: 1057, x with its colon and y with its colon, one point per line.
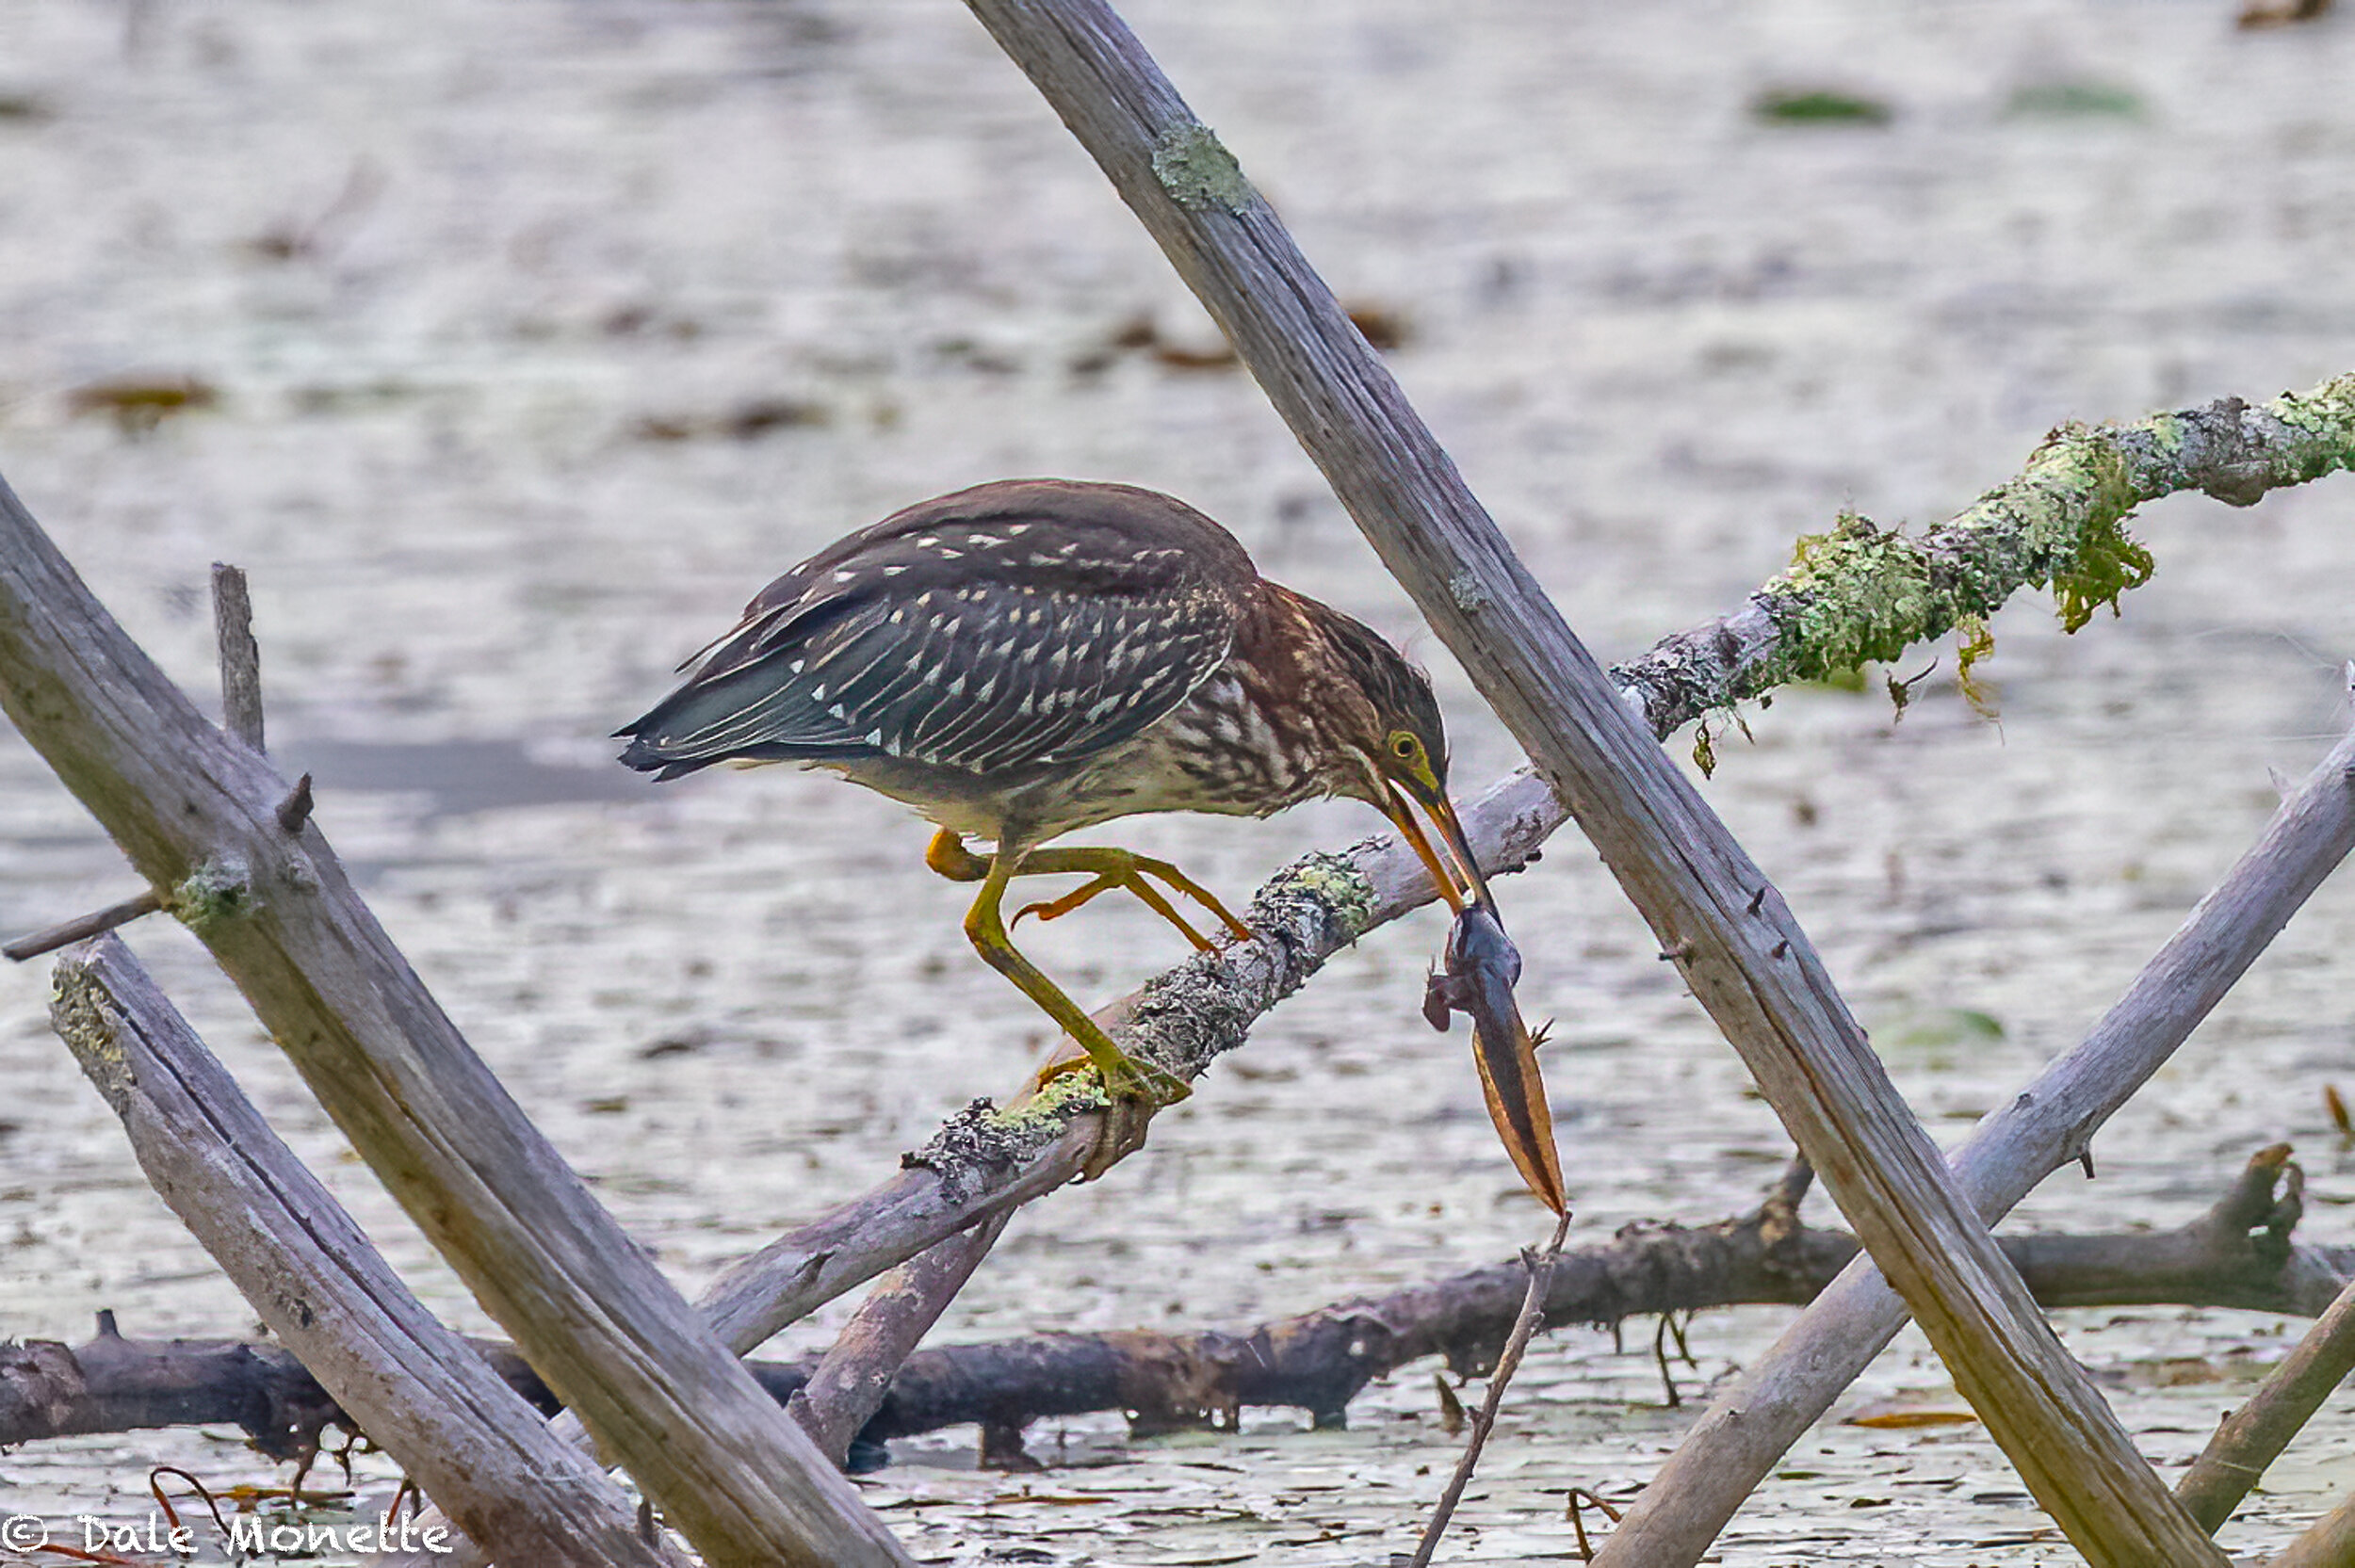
x: 1026, y: 658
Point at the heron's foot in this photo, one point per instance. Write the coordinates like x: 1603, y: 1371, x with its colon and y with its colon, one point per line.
x: 1147, y: 895
x: 1112, y: 868
x: 1135, y: 1089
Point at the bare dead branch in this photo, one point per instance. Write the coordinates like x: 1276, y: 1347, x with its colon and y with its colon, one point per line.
x: 83, y: 927
x: 848, y: 1385
x: 2255, y: 1434
x: 1318, y: 1360
x: 423, y: 1394
x: 240, y: 656
x: 1730, y: 1449
x: 1757, y: 976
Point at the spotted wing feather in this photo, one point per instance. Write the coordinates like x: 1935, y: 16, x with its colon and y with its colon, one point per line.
x: 1016, y: 626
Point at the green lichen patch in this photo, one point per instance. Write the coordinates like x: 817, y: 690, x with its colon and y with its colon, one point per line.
x: 1197, y: 171
x: 1854, y: 596
x: 85, y: 1018
x: 1058, y: 1100
x: 1975, y: 640
x: 1333, y: 880
x: 215, y: 892
x: 2326, y: 416
x: 2109, y: 562
x: 1862, y: 594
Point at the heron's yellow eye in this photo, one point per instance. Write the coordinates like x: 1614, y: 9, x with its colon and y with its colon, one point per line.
x: 1403, y: 746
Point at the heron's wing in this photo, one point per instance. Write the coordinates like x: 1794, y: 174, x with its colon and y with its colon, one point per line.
x: 976, y: 643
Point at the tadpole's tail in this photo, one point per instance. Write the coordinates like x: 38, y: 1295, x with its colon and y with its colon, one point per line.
x: 1516, y: 1103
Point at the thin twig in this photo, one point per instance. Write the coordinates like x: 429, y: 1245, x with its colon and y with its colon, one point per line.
x: 83, y: 927
x: 240, y: 656
x: 1660, y: 1359
x: 1575, y: 1510
x: 1540, y: 1266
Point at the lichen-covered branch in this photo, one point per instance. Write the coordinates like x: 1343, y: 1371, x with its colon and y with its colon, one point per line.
x: 1863, y: 593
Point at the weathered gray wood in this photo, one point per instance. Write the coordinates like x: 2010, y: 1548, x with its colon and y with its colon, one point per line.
x: 83, y: 927
x: 2254, y: 1435
x: 196, y: 814
x: 240, y: 656
x: 1736, y: 942
x: 848, y: 1385
x: 1730, y: 1449
x: 419, y: 1391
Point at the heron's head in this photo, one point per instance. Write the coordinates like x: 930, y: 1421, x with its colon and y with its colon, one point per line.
x: 1397, y: 731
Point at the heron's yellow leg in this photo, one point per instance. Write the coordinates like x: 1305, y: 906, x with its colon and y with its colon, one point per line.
x: 1125, y: 1078
x: 1112, y: 868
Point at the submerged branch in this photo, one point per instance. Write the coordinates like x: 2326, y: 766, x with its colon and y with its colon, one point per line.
x: 1317, y: 1360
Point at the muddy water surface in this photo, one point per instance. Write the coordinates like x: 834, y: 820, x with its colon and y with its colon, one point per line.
x: 521, y: 342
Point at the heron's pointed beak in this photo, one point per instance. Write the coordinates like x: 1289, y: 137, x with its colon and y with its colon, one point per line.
x: 1459, y: 882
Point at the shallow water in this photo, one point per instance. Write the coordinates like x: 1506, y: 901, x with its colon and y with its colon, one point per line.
x: 538, y: 337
